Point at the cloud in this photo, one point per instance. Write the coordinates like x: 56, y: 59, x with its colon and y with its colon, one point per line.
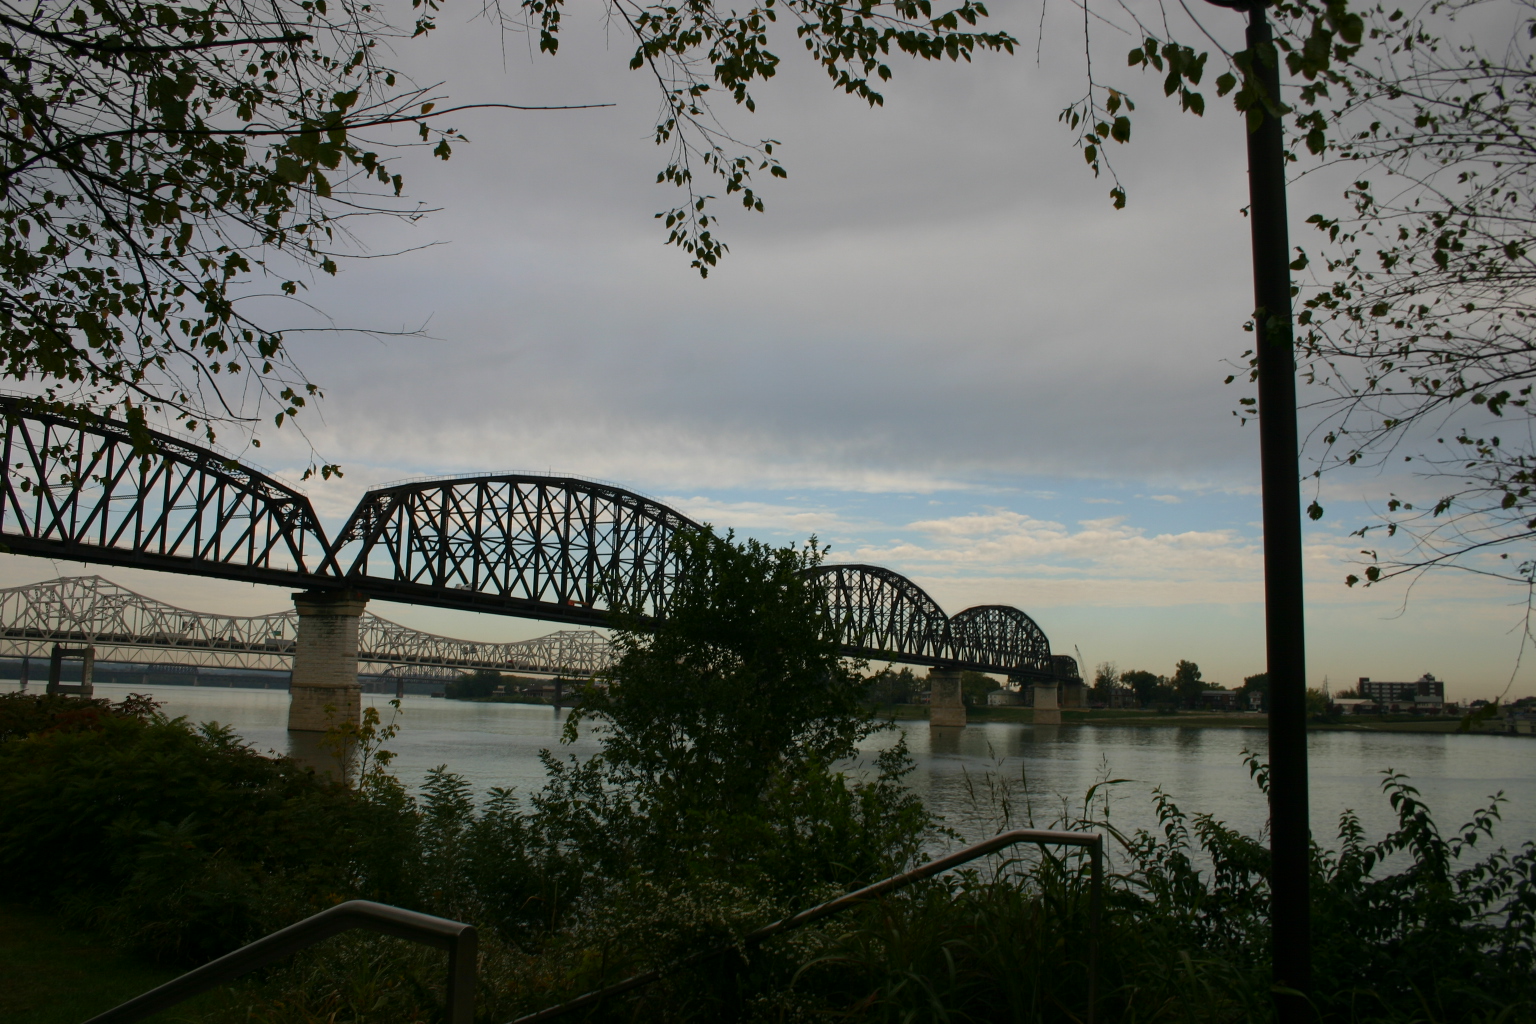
x: 1109, y: 548
x: 760, y: 515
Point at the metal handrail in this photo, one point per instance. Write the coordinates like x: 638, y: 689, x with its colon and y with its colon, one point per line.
x: 458, y: 939
x: 1092, y: 840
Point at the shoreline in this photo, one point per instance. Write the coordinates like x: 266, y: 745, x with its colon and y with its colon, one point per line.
x: 1194, y: 719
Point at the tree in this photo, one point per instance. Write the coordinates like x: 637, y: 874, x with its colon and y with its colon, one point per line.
x: 1143, y: 684
x: 1106, y: 680
x: 1416, y: 325
x: 975, y: 686
x: 1317, y: 702
x: 720, y: 726
x: 165, y: 164
x: 480, y: 683
x: 888, y: 687
x: 1186, y: 683
x: 159, y: 162
x: 1420, y: 323
x: 1256, y: 686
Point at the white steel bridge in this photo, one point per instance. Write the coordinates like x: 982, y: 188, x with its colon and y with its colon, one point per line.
x: 129, y: 627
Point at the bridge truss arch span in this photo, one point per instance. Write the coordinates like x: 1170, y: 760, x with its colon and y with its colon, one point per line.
x: 882, y: 614
x: 561, y: 548
x: 977, y: 636
x: 84, y: 491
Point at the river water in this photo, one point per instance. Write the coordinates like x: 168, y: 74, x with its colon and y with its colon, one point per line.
x: 978, y: 775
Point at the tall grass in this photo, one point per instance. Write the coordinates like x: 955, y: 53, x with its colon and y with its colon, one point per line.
x: 1446, y: 935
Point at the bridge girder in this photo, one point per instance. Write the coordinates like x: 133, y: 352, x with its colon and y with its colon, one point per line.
x: 558, y: 548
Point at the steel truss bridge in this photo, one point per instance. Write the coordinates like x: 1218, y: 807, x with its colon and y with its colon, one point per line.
x: 125, y: 626
x: 550, y: 547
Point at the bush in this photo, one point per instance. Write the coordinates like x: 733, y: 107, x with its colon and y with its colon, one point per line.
x: 180, y: 843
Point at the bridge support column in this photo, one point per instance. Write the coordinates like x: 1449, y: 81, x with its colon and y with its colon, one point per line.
x: 946, y: 705
x: 325, y: 661
x: 1047, y: 711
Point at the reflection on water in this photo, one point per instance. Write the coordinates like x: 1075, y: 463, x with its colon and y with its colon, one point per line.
x: 967, y: 774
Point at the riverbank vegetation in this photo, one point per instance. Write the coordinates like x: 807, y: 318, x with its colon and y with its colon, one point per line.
x: 721, y: 799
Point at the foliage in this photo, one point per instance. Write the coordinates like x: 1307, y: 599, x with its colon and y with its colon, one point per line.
x: 179, y: 842
x: 481, y: 683
x: 1106, y: 680
x: 165, y: 166
x: 675, y: 44
x: 1146, y: 686
x: 1419, y: 323
x: 1413, y: 926
x: 1256, y: 685
x: 158, y: 161
x: 1416, y: 317
x: 889, y: 687
x: 25, y: 714
x: 974, y: 686
x: 1316, y: 702
x: 720, y: 726
x: 1186, y: 683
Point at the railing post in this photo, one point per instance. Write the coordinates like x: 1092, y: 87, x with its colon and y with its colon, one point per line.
x: 1095, y: 920
x: 462, y: 957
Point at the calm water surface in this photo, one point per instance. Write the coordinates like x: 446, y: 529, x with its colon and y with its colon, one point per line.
x: 970, y: 774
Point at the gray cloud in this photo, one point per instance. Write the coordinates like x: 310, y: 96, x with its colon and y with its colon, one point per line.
x: 939, y: 293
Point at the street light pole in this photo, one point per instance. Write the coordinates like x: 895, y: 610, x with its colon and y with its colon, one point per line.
x: 1284, y: 625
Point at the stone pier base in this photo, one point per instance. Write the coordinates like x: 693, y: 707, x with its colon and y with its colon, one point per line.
x: 325, y: 692
x: 1047, y: 711
x: 946, y: 705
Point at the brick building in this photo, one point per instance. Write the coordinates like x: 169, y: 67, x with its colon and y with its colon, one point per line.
x: 1424, y: 694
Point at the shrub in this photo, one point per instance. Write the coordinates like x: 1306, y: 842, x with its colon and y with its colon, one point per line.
x: 181, y: 843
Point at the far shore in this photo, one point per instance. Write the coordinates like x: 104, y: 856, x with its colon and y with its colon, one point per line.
x: 1197, y: 719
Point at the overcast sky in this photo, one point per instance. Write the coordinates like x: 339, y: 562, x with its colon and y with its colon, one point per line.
x: 940, y: 349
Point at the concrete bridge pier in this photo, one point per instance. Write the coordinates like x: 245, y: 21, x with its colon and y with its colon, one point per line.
x: 1047, y: 710
x: 325, y: 661
x: 946, y: 705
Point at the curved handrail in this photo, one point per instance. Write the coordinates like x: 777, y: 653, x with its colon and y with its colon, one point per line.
x: 1092, y: 840
x: 458, y: 939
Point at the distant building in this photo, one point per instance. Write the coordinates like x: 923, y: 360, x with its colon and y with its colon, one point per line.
x: 1424, y: 694
x: 1005, y: 698
x: 1352, y: 706
x: 1219, y: 700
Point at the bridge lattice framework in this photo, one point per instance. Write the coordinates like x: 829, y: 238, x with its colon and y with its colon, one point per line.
x: 553, y: 547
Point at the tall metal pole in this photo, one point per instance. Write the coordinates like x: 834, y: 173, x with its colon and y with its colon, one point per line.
x: 1284, y: 625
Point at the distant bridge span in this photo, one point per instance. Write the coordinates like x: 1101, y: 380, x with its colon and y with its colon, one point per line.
x: 558, y: 548
x: 124, y: 626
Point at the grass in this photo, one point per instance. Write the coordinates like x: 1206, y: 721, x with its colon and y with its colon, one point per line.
x: 50, y: 974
